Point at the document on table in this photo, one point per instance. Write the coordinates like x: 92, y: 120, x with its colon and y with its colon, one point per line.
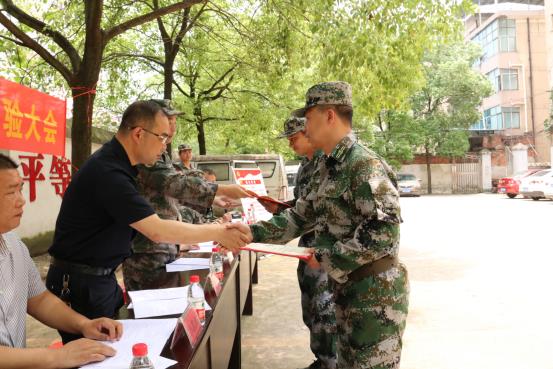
x: 161, y: 302
x: 204, y: 247
x: 184, y: 264
x: 153, y: 332
x: 283, y: 250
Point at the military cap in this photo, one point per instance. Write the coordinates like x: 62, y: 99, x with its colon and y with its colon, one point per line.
x: 292, y: 125
x: 167, y: 106
x: 183, y: 147
x: 326, y: 93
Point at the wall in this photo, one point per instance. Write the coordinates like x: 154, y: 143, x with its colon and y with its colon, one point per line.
x: 441, y: 176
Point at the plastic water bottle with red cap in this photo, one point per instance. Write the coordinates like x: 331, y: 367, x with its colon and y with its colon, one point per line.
x: 216, y: 264
x: 196, y: 297
x: 140, y: 358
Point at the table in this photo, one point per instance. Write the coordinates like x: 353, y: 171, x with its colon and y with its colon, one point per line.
x: 220, y: 344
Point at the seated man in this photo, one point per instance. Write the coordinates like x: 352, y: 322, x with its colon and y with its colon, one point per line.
x: 22, y: 292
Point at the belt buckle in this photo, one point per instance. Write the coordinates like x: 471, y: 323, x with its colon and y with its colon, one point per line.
x: 65, y: 291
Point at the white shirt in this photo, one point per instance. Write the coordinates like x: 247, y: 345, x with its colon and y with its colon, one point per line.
x: 19, y: 281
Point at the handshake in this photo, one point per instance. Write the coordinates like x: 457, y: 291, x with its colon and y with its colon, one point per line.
x: 232, y: 236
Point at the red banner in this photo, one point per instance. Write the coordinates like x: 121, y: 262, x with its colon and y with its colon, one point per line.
x: 30, y: 120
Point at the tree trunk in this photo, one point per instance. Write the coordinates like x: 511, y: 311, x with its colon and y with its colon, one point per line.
x: 81, y: 128
x: 168, y: 90
x: 200, y: 126
x: 201, y: 136
x: 428, y: 171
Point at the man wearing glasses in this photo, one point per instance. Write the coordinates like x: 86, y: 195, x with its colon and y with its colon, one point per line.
x: 102, y: 210
x: 167, y: 191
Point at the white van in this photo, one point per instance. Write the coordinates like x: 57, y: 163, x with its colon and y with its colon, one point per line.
x: 291, y: 174
x: 271, y: 165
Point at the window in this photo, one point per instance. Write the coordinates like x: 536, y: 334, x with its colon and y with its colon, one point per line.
x: 221, y: 170
x: 498, y: 36
x: 509, y: 79
x: 511, y: 117
x: 503, y: 79
x: 291, y: 179
x: 498, y: 118
x: 267, y: 168
x: 493, y: 119
x: 495, y: 80
x: 507, y: 35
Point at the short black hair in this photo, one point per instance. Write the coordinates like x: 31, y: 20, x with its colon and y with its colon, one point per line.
x: 209, y: 171
x: 345, y: 112
x: 7, y: 163
x: 140, y: 113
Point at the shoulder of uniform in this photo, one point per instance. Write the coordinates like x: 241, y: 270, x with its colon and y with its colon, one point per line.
x: 360, y: 152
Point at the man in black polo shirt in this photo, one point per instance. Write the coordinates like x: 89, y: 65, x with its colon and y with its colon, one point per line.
x: 102, y: 210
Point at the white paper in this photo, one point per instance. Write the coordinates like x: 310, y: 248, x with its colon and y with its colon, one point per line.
x: 159, y: 294
x: 184, y: 264
x: 153, y: 332
x: 191, y: 261
x: 284, y: 250
x: 161, y: 302
x: 171, y: 268
x: 204, y: 247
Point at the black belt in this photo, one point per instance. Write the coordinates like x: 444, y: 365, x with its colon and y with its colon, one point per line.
x: 72, y: 267
x: 374, y: 268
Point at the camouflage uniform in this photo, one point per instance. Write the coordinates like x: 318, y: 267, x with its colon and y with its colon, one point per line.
x: 317, y: 303
x: 353, y: 207
x: 167, y: 191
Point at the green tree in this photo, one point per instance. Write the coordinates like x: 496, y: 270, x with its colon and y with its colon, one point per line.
x: 72, y: 40
x: 445, y: 108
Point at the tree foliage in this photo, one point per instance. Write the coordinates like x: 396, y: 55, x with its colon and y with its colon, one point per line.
x: 243, y: 65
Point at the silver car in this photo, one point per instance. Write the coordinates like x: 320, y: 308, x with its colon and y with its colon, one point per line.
x: 409, y: 185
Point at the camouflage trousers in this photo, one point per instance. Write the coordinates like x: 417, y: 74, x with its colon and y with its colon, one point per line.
x: 370, y: 316
x: 147, y: 270
x: 318, y: 312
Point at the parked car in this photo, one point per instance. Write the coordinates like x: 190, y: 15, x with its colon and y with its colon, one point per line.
x: 271, y: 165
x: 510, y: 185
x: 548, y: 188
x: 291, y: 173
x: 533, y: 185
x: 409, y: 185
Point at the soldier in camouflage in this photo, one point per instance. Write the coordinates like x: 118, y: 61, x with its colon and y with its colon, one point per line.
x: 353, y: 207
x: 185, y: 156
x: 316, y: 290
x: 171, y: 194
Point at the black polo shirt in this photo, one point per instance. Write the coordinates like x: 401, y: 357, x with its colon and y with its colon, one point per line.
x: 101, y: 201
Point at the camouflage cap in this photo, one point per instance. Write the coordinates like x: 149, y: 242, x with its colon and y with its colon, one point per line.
x: 167, y: 106
x: 183, y: 147
x: 292, y: 125
x: 326, y: 93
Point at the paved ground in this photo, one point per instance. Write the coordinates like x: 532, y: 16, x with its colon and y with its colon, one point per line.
x: 480, y: 290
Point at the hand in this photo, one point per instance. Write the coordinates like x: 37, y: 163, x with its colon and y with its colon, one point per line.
x: 234, y: 191
x: 234, y: 235
x: 183, y: 249
x: 81, y: 352
x: 225, y: 202
x: 312, y: 262
x: 102, y: 329
x: 226, y: 218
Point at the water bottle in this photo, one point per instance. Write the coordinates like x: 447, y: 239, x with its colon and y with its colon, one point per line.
x: 196, y: 297
x: 216, y: 264
x: 140, y: 357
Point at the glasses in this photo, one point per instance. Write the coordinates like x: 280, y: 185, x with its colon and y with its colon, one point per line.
x: 163, y: 137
